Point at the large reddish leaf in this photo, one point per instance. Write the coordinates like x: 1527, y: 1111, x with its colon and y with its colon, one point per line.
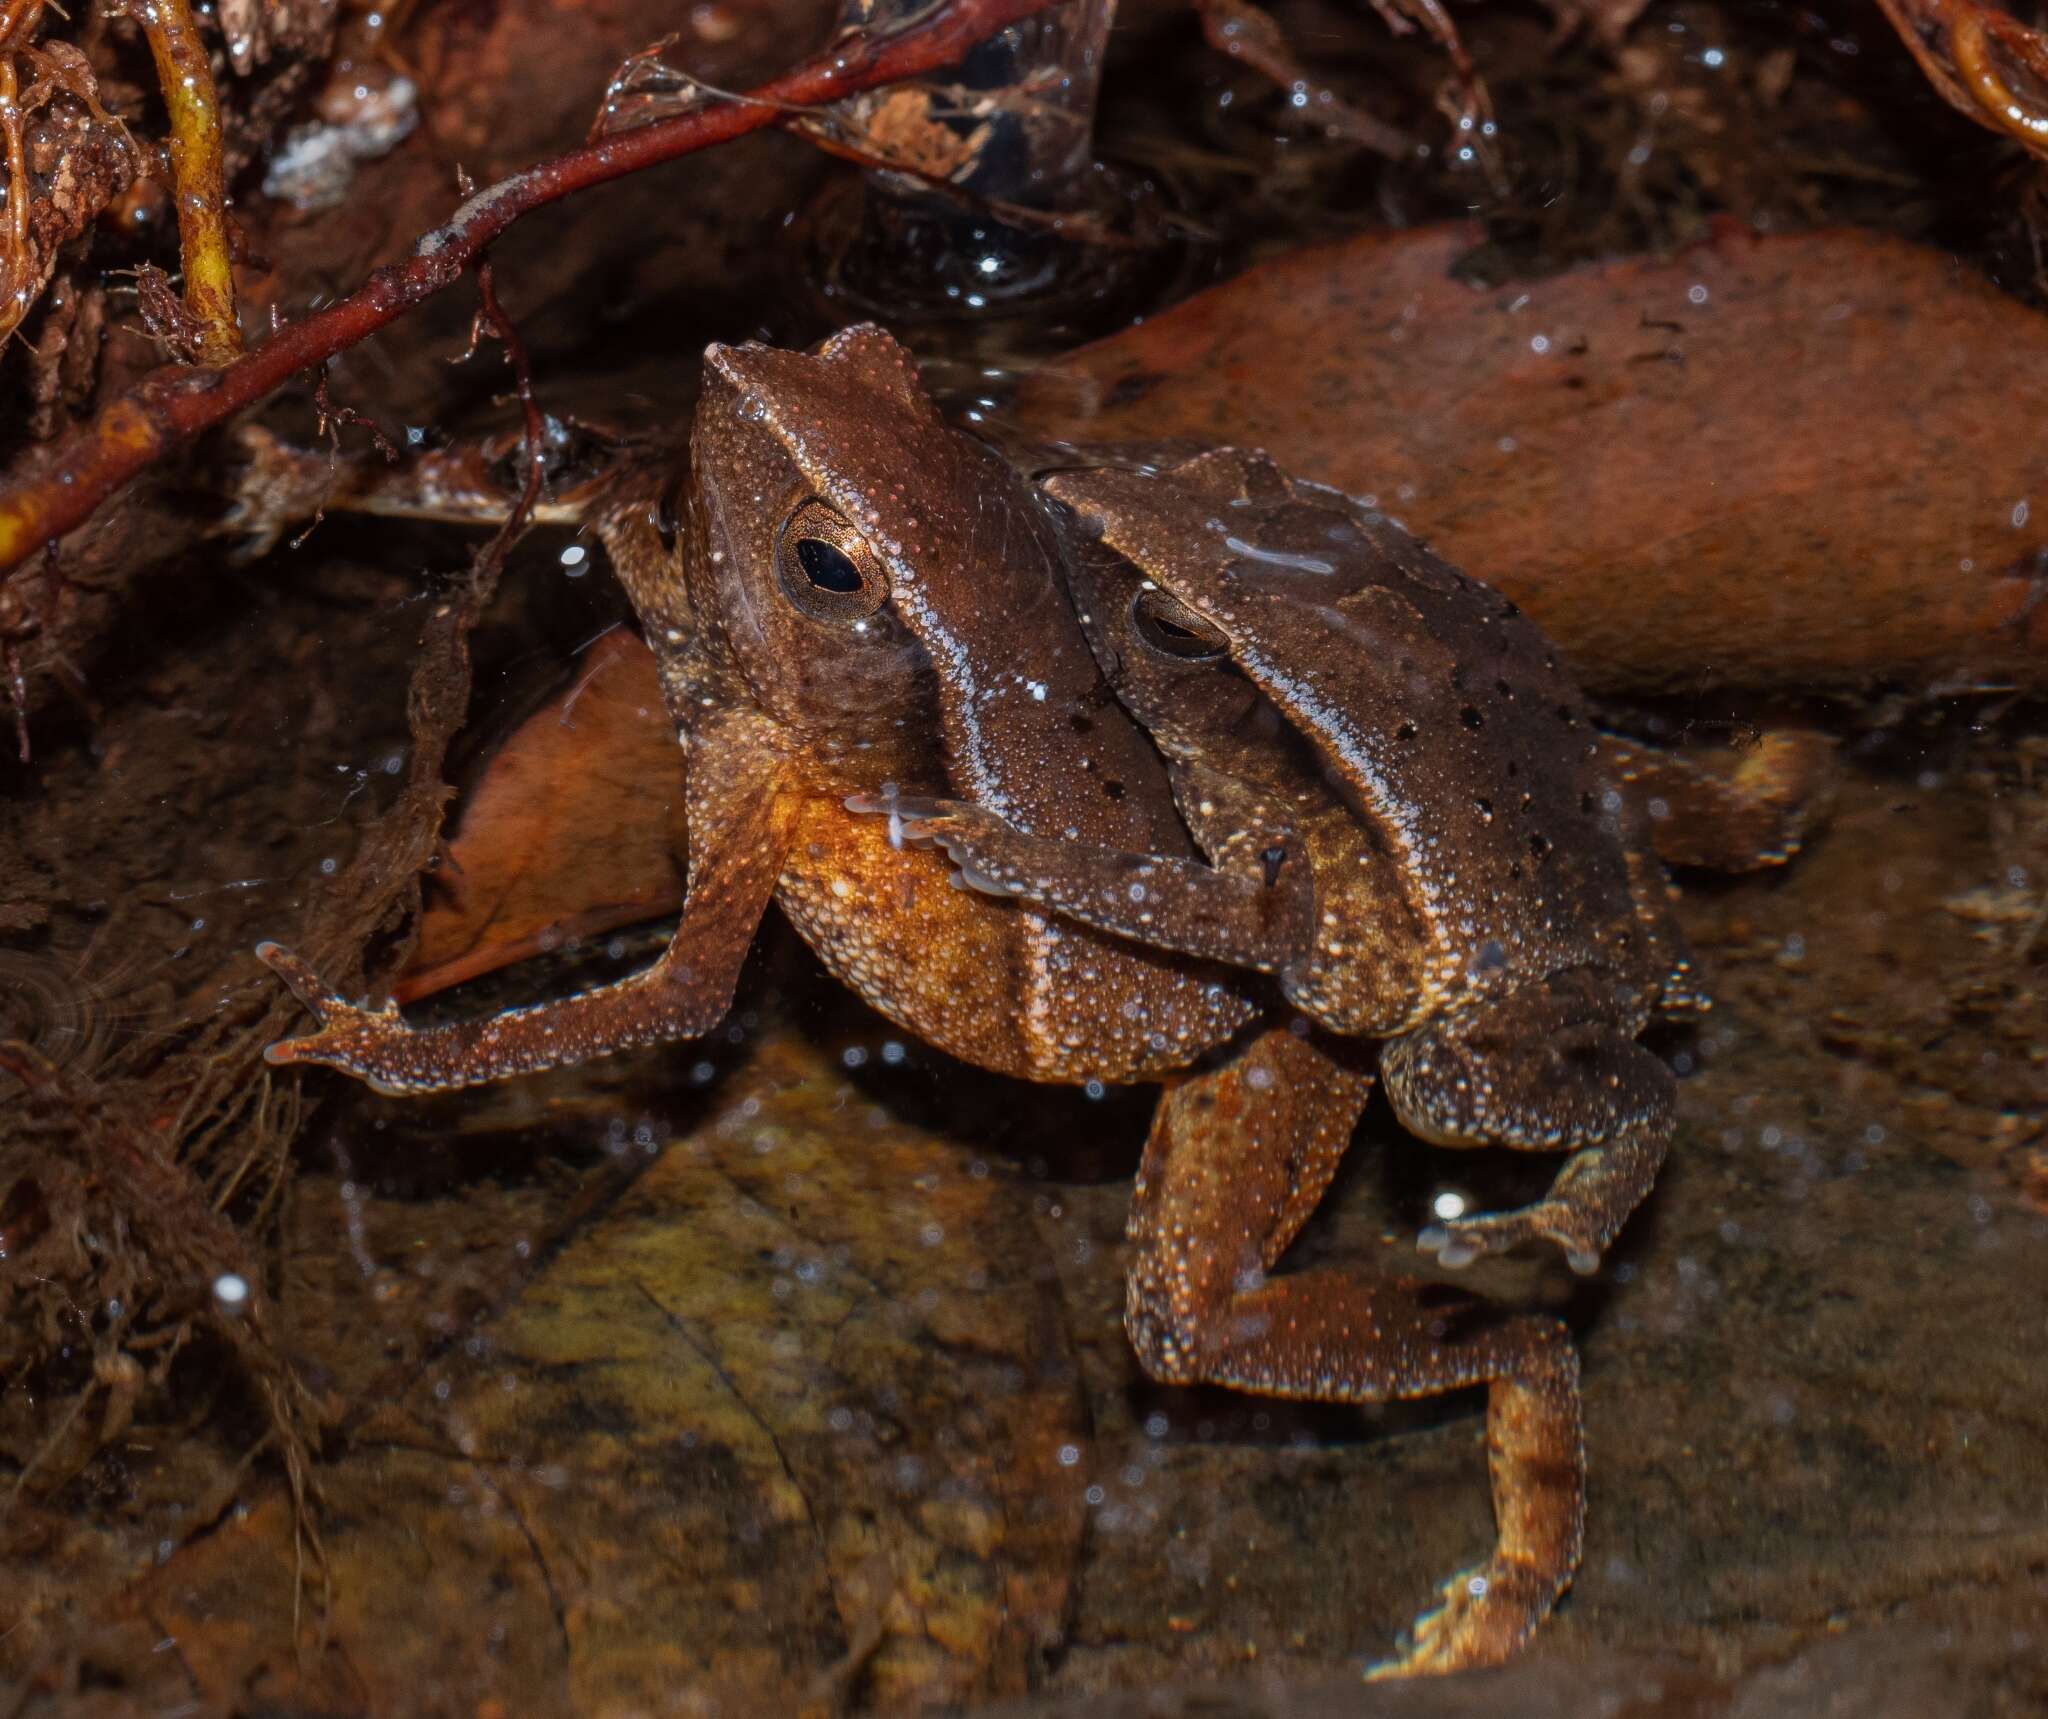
x: 575, y: 827
x: 1781, y: 462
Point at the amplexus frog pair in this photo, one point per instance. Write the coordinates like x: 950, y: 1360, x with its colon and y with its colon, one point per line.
x: 1254, y: 794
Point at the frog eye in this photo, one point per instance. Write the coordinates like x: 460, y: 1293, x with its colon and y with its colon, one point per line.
x: 1174, y: 630
x: 828, y: 570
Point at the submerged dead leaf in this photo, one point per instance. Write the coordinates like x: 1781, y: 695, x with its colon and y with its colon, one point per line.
x: 798, y: 1414
x: 1777, y: 462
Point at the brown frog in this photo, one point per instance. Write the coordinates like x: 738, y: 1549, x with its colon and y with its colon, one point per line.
x: 1407, y: 817
x: 870, y: 598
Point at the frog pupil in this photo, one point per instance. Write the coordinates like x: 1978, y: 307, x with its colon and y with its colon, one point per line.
x: 827, y: 567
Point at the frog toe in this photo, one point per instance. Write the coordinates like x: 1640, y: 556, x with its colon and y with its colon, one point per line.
x: 894, y: 805
x: 378, y: 1049
x: 1454, y: 1252
x: 1463, y: 1240
x: 966, y: 877
x: 299, y: 975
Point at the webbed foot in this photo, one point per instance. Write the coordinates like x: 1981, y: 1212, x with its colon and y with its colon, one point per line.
x: 1578, y: 1233
x: 1537, y: 1070
x: 1486, y: 1613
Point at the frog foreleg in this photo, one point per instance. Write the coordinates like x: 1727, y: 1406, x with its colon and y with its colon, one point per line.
x: 1236, y: 1161
x: 1507, y: 1072
x: 1261, y: 918
x: 685, y: 993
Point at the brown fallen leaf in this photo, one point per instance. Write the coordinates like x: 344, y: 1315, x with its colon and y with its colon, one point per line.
x: 575, y: 828
x: 1807, y: 461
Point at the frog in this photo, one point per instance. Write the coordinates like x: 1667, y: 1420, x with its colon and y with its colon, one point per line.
x: 864, y: 601
x: 802, y: 684
x: 1408, y: 820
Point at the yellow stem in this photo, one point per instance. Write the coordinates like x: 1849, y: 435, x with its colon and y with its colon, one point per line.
x: 1969, y: 44
x: 17, y: 266
x: 197, y: 173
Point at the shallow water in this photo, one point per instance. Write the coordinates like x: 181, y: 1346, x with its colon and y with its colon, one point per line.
x: 786, y: 1370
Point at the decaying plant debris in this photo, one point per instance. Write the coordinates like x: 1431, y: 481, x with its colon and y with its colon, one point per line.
x: 143, y: 1189
x: 146, y: 1154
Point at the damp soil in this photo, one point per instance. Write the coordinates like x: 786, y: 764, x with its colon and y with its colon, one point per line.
x: 785, y: 1370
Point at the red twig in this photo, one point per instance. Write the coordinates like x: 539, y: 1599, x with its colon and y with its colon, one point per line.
x: 177, y: 402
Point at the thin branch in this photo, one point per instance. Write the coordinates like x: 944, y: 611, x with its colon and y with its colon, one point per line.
x: 176, y: 403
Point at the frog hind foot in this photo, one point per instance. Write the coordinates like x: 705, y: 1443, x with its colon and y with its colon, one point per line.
x: 1520, y: 1075
x: 1485, y: 1614
x: 1578, y: 1235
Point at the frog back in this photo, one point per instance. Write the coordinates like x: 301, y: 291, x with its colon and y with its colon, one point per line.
x: 1439, y: 711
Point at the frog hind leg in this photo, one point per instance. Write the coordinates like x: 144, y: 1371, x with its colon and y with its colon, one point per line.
x: 686, y: 992
x: 1533, y: 1069
x: 1237, y: 1160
